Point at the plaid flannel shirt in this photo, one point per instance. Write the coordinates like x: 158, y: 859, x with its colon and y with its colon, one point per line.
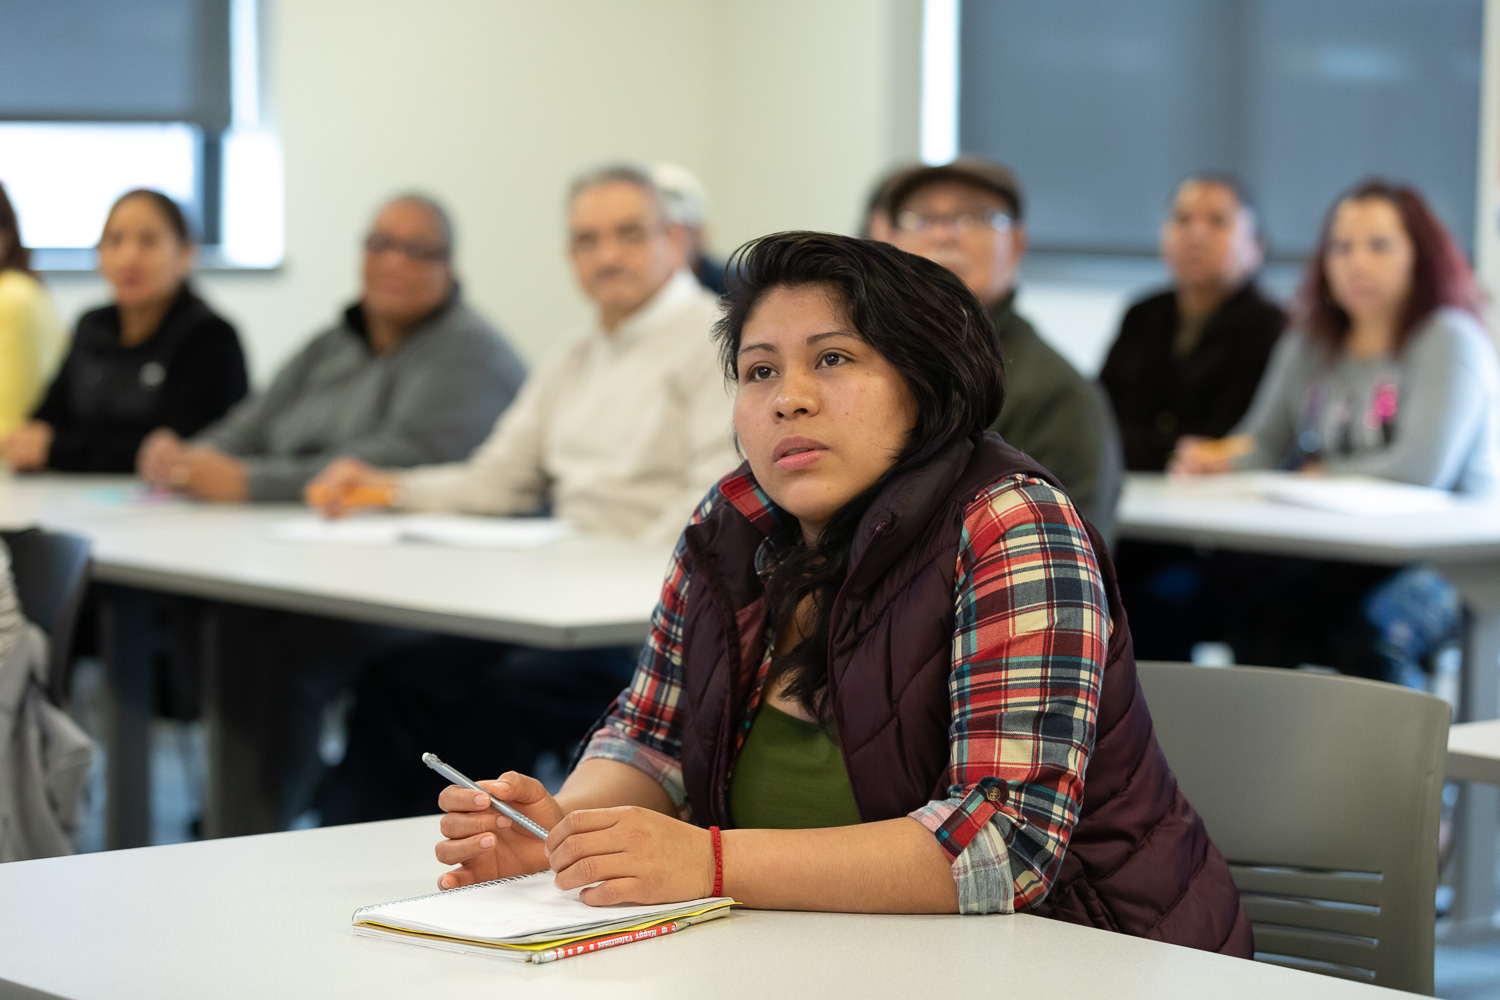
x: 1031, y: 627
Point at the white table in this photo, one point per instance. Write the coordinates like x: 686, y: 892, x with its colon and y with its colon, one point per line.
x: 1474, y: 752
x: 268, y: 916
x: 575, y: 593
x: 1463, y: 544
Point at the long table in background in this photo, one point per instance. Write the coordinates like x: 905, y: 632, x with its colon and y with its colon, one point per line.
x: 574, y: 593
x: 269, y: 916
x: 1463, y: 543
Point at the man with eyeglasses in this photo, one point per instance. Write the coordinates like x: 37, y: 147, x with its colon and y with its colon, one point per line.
x: 966, y: 215
x: 625, y: 430
x: 408, y: 375
x: 622, y: 433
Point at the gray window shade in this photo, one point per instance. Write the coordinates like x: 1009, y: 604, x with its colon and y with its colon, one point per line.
x: 1103, y: 105
x: 115, y: 60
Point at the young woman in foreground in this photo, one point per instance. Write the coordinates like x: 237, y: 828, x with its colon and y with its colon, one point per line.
x: 885, y: 653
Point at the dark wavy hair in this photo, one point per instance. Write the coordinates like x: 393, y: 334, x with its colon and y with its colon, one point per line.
x: 13, y: 253
x: 169, y: 209
x: 1440, y: 274
x: 926, y: 323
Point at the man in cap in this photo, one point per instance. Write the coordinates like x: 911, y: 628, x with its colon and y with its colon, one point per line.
x: 967, y: 215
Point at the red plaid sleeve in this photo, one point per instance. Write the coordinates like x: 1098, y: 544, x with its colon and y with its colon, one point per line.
x: 1030, y: 633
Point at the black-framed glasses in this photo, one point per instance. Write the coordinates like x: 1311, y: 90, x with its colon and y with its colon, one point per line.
x: 422, y: 253
x: 967, y: 223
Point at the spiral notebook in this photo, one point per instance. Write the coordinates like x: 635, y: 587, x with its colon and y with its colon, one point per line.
x: 526, y: 918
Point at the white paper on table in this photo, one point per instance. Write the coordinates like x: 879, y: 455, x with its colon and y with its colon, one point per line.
x: 1360, y: 495
x: 485, y: 532
x: 378, y: 530
x: 457, y: 530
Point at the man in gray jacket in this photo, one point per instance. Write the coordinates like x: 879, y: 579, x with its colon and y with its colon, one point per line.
x: 410, y: 375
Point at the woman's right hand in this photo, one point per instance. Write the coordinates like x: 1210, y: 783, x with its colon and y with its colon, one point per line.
x: 29, y: 446
x: 347, y: 483
x: 484, y: 844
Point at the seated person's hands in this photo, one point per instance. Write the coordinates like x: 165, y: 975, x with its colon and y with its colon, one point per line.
x: 347, y: 483
x: 29, y: 446
x: 1199, y: 456
x: 160, y: 453
x: 639, y: 855
x: 204, y: 473
x: 484, y: 844
x: 211, y: 475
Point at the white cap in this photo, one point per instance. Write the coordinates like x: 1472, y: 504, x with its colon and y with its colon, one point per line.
x: 683, y: 198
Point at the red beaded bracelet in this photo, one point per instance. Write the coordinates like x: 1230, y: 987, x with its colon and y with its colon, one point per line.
x: 713, y: 832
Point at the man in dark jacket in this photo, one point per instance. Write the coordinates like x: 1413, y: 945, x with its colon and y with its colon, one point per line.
x: 1187, y: 362
x: 967, y: 216
x: 1188, y: 359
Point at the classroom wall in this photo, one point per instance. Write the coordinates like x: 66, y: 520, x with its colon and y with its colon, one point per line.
x: 786, y: 110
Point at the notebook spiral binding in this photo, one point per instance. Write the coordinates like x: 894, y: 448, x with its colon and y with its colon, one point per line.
x: 449, y: 892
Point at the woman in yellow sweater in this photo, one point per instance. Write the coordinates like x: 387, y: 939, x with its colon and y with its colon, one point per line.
x: 31, y: 338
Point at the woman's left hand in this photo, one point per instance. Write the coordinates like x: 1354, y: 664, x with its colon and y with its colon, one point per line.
x: 638, y: 855
x: 207, y: 474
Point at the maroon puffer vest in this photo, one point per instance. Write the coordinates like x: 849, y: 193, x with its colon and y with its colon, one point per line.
x: 1139, y: 860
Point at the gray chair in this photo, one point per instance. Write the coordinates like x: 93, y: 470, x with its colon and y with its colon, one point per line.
x: 51, y: 571
x: 1324, y: 794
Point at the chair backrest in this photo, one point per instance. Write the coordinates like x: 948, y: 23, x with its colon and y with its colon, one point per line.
x: 52, y: 572
x: 1323, y: 792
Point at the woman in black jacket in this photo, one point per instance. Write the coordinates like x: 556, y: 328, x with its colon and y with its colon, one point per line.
x: 157, y: 357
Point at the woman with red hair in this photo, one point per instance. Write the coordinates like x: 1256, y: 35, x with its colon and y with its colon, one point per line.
x: 1388, y: 373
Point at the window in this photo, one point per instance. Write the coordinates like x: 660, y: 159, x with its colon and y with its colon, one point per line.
x: 100, y: 96
x: 1103, y: 105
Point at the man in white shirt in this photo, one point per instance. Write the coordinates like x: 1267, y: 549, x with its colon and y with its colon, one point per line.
x: 627, y: 428
x: 623, y: 433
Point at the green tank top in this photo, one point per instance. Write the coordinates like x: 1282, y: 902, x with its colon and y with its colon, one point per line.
x: 790, y: 776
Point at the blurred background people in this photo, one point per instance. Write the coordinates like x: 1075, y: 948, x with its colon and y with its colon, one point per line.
x: 1186, y: 362
x: 1388, y: 373
x: 626, y: 428
x: 623, y: 433
x: 408, y: 375
x: 877, y: 223
x: 158, y: 357
x: 1187, y: 359
x: 685, y: 204
x: 31, y: 338
x: 967, y: 216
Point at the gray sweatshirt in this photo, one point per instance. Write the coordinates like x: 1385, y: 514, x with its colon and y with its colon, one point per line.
x: 431, y: 399
x: 1429, y: 416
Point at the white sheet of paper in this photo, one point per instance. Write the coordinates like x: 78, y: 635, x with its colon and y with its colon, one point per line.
x: 1359, y: 495
x: 458, y: 531
x: 377, y: 530
x: 525, y: 908
x: 485, y: 532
